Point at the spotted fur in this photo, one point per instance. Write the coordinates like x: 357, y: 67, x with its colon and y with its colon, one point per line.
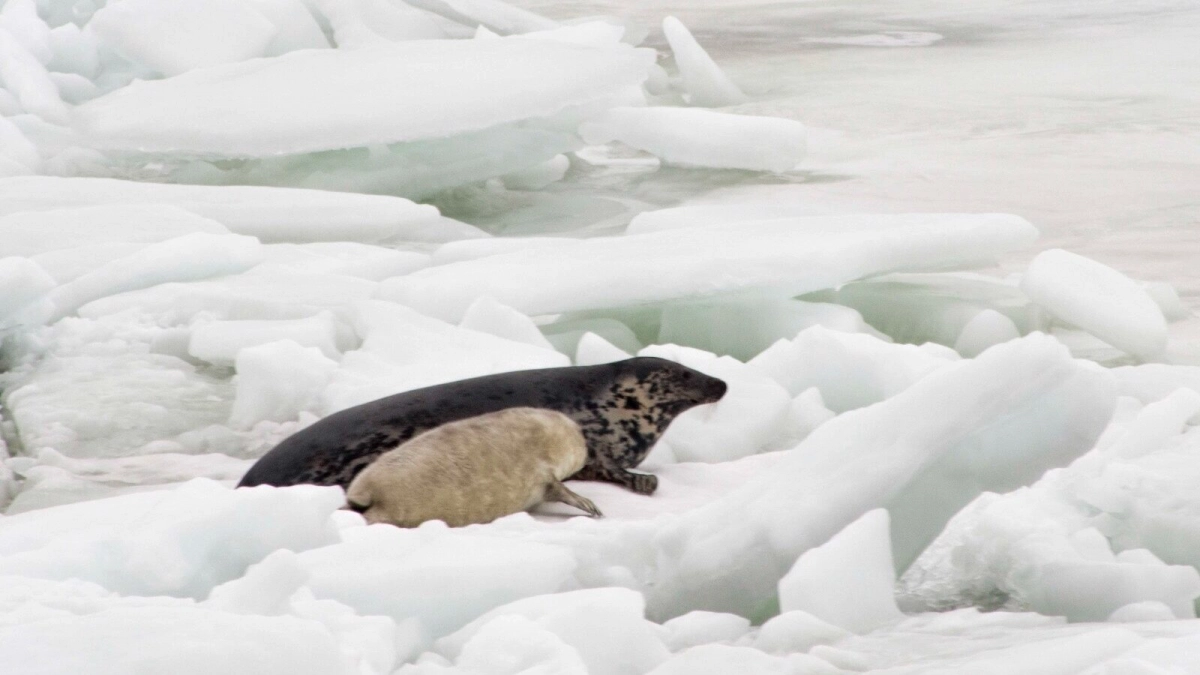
x: 623, y: 408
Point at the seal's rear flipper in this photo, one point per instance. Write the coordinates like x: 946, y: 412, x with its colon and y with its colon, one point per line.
x: 557, y: 492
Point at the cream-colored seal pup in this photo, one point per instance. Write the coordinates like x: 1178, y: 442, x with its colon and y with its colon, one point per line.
x: 475, y: 470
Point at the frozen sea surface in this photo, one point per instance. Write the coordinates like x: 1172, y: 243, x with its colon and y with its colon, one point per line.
x: 943, y: 255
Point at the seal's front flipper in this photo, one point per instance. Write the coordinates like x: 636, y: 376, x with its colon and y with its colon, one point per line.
x: 557, y: 492
x: 641, y: 483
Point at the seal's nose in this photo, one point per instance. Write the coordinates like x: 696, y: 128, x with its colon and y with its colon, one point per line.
x: 716, y: 389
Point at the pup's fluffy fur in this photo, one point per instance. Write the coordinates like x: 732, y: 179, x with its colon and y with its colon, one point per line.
x: 474, y: 470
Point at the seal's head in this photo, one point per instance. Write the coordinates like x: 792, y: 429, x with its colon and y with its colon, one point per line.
x: 670, y: 386
x: 642, y: 396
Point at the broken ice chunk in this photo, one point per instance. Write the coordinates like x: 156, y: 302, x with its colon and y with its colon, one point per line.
x: 538, y: 176
x: 1098, y: 299
x: 594, y: 32
x: 277, y: 381
x: 744, y: 327
x: 219, y: 342
x: 703, y: 138
x: 295, y: 26
x: 711, y: 214
x: 175, y: 36
x: 367, y: 23
x: 796, y: 631
x: 258, y: 294
x: 1147, y: 610
x: 987, y: 329
x: 604, y: 625
x: 851, y: 370
x: 917, y: 308
x: 705, y: 82
x: 593, y: 349
x: 700, y: 627
x: 29, y: 81
x: 22, y: 281
x: 403, y: 350
x: 17, y: 152
x: 742, y: 423
x: 1168, y: 300
x: 848, y: 580
x: 186, y: 258
x: 488, y: 316
x: 371, y: 568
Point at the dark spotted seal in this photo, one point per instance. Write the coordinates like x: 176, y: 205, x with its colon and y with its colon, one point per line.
x: 623, y: 408
x: 474, y: 470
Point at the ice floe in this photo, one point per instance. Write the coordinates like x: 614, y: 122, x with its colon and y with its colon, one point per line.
x: 324, y: 99
x: 271, y: 214
x: 785, y: 256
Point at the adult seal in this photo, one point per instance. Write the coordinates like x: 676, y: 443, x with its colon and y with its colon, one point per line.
x: 623, y: 408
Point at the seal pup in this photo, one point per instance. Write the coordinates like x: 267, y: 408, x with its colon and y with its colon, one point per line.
x: 474, y: 470
x: 622, y: 407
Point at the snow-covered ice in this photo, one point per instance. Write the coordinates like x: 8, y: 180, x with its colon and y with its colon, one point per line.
x: 850, y: 370
x: 707, y: 214
x: 743, y: 328
x: 923, y: 454
x: 369, y: 23
x: 187, y: 258
x: 176, y: 547
x: 271, y: 214
x: 785, y: 257
x: 499, y: 16
x: 175, y: 36
x: 324, y: 99
x: 82, y: 229
x: 220, y: 342
x: 942, y: 255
